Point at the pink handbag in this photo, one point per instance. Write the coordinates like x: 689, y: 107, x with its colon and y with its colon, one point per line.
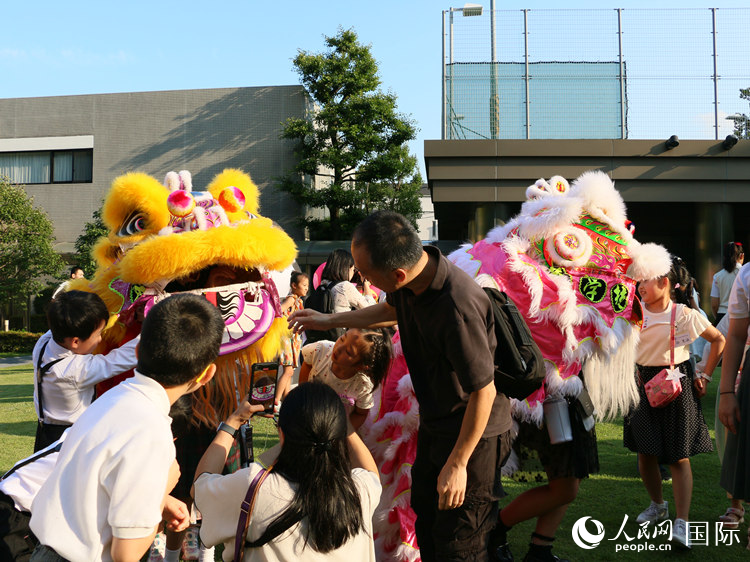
x: 665, y: 386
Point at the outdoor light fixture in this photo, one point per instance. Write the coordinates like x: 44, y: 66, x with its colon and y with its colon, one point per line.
x: 729, y: 142
x: 672, y: 142
x: 472, y: 10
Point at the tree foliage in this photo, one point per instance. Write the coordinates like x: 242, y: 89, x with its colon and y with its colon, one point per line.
x: 26, y: 246
x: 741, y: 120
x: 92, y: 232
x: 354, y: 139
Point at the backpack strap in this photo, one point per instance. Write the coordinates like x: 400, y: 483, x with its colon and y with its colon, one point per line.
x: 41, y: 371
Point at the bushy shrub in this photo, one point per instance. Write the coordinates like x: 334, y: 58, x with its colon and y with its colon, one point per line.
x: 17, y: 342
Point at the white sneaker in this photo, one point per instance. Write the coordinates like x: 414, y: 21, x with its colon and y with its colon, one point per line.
x: 679, y: 533
x: 654, y: 513
x: 158, y: 548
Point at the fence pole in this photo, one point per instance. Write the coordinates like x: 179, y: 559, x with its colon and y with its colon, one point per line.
x: 622, y: 75
x: 716, y: 78
x: 442, y: 64
x: 526, y: 77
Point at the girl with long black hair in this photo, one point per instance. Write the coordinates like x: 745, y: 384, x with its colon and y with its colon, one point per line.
x: 318, y: 500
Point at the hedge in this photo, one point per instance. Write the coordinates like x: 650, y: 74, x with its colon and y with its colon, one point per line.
x: 17, y: 342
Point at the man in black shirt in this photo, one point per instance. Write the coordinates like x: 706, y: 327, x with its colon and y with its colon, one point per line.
x: 447, y: 334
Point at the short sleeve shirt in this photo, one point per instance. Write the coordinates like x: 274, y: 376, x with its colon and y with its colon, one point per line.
x: 356, y: 391
x: 448, y: 338
x: 722, y: 286
x: 739, y: 299
x: 653, y: 349
x: 216, y: 497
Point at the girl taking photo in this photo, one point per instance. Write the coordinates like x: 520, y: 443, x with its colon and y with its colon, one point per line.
x: 317, y: 501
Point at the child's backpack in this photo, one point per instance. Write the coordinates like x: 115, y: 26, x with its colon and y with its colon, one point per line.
x: 322, y: 301
x: 519, y: 365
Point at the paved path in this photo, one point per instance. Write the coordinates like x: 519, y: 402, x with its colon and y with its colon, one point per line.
x: 15, y: 361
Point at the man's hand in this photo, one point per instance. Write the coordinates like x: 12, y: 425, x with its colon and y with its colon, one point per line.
x: 451, y: 485
x: 308, y: 319
x: 175, y: 514
x: 729, y: 411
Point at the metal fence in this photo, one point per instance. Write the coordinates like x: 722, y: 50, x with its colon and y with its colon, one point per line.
x: 617, y: 73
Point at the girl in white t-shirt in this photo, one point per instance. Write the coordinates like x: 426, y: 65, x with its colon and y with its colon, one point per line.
x: 674, y: 433
x: 354, y: 365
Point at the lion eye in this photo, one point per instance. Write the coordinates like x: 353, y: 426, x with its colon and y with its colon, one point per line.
x: 134, y: 224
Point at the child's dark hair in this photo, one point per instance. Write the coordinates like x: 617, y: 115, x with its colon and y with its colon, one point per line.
x: 75, y: 269
x: 377, y: 357
x: 181, y: 413
x: 75, y: 314
x: 314, y: 456
x: 296, y: 277
x: 681, y: 282
x: 180, y: 337
x: 732, y: 253
x: 337, y: 266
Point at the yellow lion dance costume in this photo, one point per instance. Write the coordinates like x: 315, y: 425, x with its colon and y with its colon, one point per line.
x: 167, y: 239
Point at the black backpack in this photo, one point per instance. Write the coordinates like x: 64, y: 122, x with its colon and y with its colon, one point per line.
x: 322, y: 301
x: 519, y: 365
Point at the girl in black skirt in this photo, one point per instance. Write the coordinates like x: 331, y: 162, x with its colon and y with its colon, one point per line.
x: 674, y: 433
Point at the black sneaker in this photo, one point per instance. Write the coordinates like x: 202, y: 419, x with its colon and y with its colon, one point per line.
x: 502, y: 554
x: 532, y: 558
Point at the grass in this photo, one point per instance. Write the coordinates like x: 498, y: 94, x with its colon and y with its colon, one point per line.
x: 607, y: 497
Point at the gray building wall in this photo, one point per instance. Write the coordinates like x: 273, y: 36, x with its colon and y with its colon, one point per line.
x: 203, y: 131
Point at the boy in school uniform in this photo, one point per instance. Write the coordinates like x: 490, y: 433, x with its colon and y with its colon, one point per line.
x: 18, y: 487
x: 66, y: 371
x: 109, y: 490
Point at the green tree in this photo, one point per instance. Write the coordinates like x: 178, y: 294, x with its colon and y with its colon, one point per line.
x: 354, y: 137
x: 26, y: 252
x: 741, y: 120
x: 92, y: 232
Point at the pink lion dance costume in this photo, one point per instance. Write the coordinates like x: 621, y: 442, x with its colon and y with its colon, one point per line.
x: 570, y: 263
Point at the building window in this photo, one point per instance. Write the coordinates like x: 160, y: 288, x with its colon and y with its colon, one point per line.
x: 49, y: 166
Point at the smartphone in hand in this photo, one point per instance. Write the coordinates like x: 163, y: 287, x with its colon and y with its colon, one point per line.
x: 263, y: 385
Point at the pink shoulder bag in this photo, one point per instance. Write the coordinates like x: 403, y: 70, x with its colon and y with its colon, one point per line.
x: 665, y: 386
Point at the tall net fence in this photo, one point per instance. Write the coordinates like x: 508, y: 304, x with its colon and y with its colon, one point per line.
x: 617, y: 73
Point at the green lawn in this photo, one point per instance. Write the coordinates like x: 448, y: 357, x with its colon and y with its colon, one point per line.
x: 606, y: 497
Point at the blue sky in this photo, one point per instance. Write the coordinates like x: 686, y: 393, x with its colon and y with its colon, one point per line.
x: 85, y: 47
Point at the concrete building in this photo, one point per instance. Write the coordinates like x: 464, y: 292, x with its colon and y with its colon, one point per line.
x: 67, y: 150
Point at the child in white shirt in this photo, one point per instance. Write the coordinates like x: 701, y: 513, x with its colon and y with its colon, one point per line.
x: 109, y: 490
x: 354, y: 365
x: 66, y: 371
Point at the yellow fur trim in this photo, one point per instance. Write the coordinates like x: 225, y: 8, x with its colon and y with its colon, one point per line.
x: 214, y: 402
x: 136, y: 192
x: 251, y: 244
x: 241, y: 180
x: 105, y: 253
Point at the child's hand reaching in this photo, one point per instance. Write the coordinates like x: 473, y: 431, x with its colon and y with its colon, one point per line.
x: 175, y: 514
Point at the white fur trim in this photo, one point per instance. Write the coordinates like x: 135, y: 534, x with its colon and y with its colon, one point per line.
x: 649, y: 261
x: 187, y: 180
x: 172, y: 181
x: 610, y: 378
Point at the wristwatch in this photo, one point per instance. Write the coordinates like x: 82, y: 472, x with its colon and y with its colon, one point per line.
x: 223, y: 426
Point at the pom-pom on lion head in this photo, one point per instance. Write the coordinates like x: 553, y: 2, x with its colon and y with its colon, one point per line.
x: 166, y: 239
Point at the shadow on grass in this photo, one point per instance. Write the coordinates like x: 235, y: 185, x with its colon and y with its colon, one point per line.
x: 16, y: 393
x: 22, y: 428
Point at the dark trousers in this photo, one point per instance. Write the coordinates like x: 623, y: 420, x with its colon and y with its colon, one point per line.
x: 46, y: 434
x: 16, y: 539
x: 46, y: 554
x: 461, y: 533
